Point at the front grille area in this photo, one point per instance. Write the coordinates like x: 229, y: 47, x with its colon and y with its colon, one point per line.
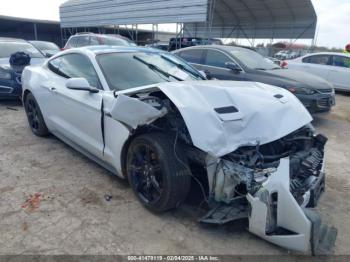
x: 5, y: 89
x: 324, y: 102
x: 325, y: 91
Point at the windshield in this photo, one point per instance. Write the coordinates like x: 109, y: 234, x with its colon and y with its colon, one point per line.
x: 253, y: 60
x: 116, y: 41
x: 9, y: 48
x: 44, y: 46
x: 133, y: 69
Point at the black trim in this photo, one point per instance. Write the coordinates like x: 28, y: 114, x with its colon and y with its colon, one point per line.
x: 103, y: 127
x: 278, y: 96
x: 226, y: 110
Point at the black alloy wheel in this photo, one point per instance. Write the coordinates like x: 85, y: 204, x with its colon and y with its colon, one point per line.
x: 34, y: 116
x: 158, y: 175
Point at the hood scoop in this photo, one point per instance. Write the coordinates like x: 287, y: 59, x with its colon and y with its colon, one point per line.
x: 228, y: 113
x: 281, y: 98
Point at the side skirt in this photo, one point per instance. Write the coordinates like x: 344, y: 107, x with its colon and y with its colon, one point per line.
x: 80, y: 149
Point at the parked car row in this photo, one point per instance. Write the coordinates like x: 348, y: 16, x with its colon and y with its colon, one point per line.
x: 242, y: 64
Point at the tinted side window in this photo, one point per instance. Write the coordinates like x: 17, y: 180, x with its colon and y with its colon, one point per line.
x: 317, y: 59
x: 83, y: 41
x: 341, y: 61
x: 191, y: 56
x: 94, y: 40
x: 76, y: 65
x: 72, y: 42
x: 216, y: 58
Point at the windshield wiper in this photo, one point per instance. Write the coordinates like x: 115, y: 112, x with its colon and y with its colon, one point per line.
x: 182, y: 67
x: 156, y: 68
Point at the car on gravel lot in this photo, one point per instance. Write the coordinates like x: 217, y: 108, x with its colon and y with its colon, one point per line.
x: 242, y: 64
x: 153, y: 119
x: 334, y: 67
x: 10, y: 75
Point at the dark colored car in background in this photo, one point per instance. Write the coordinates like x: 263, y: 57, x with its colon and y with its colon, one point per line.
x: 89, y: 39
x: 242, y: 64
x: 48, y: 49
x: 159, y: 45
x: 183, y: 42
x: 10, y: 76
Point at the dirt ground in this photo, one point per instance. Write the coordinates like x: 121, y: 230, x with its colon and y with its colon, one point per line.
x: 72, y: 216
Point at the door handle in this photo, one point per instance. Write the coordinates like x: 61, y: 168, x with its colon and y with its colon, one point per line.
x: 53, y: 89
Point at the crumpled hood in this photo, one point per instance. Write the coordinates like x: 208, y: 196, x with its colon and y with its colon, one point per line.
x: 222, y: 116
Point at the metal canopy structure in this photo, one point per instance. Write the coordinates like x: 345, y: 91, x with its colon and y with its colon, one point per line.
x: 30, y: 29
x: 269, y: 19
x: 257, y: 19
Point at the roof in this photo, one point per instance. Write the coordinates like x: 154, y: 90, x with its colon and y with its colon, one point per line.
x: 9, y: 39
x: 20, y: 19
x: 202, y: 18
x: 226, y: 48
x: 329, y: 53
x: 278, y: 19
x: 102, y: 49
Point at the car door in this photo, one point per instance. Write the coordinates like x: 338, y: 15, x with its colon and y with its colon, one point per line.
x: 76, y: 115
x: 319, y: 65
x: 340, y: 73
x: 215, y: 63
x: 194, y: 56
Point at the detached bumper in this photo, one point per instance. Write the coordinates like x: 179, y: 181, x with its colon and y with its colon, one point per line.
x: 318, y: 103
x: 277, y: 217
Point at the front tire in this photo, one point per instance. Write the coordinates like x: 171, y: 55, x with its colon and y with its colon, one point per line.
x: 35, y: 117
x: 159, y: 177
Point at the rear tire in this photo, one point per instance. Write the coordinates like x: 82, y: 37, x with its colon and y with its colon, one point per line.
x: 35, y: 117
x: 159, y: 178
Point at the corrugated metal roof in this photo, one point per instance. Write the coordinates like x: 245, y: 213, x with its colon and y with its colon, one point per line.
x: 85, y: 13
x: 231, y: 18
x: 259, y: 19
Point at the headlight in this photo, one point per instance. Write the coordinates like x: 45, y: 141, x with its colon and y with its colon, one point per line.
x: 301, y: 91
x: 4, y: 74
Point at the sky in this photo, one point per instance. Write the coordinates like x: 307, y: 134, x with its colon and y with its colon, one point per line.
x: 332, y: 30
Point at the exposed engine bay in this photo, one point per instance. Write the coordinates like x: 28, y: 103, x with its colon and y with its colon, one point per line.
x: 272, y: 184
x: 246, y: 169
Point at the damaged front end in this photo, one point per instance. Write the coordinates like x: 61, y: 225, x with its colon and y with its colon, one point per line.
x: 271, y: 172
x: 275, y: 185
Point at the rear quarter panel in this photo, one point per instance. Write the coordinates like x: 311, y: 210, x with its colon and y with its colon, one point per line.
x: 33, y: 80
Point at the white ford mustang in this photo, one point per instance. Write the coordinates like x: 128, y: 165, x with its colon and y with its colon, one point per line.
x: 148, y: 116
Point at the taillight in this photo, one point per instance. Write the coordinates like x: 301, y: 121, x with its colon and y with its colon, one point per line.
x: 284, y: 64
x: 62, y: 49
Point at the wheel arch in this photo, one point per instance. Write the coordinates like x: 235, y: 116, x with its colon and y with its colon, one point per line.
x: 25, y: 94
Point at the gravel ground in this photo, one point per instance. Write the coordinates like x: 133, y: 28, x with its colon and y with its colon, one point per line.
x: 73, y: 216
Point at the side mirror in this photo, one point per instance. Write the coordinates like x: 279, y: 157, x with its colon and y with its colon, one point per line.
x: 206, y: 74
x: 233, y: 66
x: 80, y: 84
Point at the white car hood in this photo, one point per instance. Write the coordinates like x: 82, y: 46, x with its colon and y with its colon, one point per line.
x: 265, y: 113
